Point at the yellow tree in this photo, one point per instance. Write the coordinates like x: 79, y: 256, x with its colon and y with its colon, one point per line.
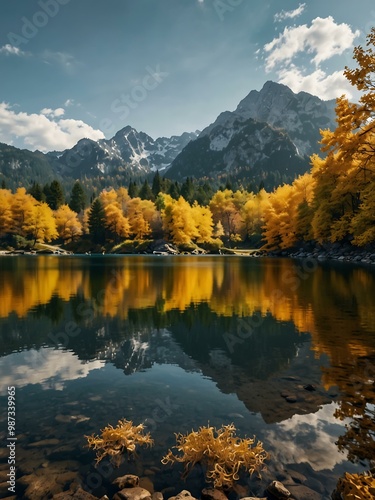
x: 83, y: 218
x: 279, y: 215
x: 151, y: 215
x: 326, y: 208
x: 116, y: 223
x: 5, y: 211
x: 363, y: 223
x: 22, y: 206
x: 253, y: 212
x: 123, y: 198
x: 40, y: 223
x: 139, y: 224
x: 67, y: 224
x: 108, y: 197
x: 178, y: 221
x: 350, y: 165
x: 226, y: 207
x: 202, y: 217
x: 303, y: 197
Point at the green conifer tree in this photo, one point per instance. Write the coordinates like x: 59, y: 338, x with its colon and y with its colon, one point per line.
x: 77, y: 198
x: 97, y: 221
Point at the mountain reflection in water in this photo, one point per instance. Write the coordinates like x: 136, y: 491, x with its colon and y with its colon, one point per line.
x: 224, y: 338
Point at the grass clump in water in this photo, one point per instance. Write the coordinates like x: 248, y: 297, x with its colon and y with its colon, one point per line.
x: 115, y: 441
x: 222, y: 453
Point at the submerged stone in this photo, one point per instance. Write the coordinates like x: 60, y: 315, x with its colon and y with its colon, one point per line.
x: 136, y: 493
x: 278, y: 490
x: 127, y: 481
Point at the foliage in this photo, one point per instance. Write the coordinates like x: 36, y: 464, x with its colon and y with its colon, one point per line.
x: 40, y: 223
x: 336, y: 201
x: 5, y: 211
x: 97, y: 221
x: 355, y: 487
x: 77, y: 198
x: 221, y: 451
x: 115, y: 441
x: 67, y: 223
x: 54, y: 194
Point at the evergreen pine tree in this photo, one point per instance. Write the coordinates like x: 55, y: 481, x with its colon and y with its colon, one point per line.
x: 174, y: 191
x: 78, y: 198
x: 145, y: 193
x: 187, y: 190
x: 157, y: 185
x: 97, y: 221
x: 36, y: 192
x: 54, y: 194
x: 133, y: 189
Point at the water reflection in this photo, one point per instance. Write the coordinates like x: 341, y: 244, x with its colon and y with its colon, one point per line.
x: 258, y: 330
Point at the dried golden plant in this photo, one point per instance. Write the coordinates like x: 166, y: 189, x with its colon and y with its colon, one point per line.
x: 221, y: 452
x: 356, y: 486
x: 114, y: 441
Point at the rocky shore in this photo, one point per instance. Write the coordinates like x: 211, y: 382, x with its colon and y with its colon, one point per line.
x: 321, y: 253
x: 332, y: 252
x: 131, y: 487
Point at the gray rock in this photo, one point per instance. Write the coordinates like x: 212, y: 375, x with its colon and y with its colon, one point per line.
x: 135, y: 493
x: 291, y: 398
x: 127, y: 481
x: 183, y: 495
x: 147, y: 484
x: 157, y: 496
x: 278, y: 490
x: 213, y: 494
x: 253, y: 498
x: 301, y: 492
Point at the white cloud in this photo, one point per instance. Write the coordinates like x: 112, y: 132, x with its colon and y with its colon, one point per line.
x: 55, y: 368
x: 316, y: 83
x: 310, y: 46
x: 324, y: 38
x: 290, y: 14
x: 53, y: 113
x: 318, y: 431
x: 42, y: 132
x: 10, y: 50
x: 69, y: 102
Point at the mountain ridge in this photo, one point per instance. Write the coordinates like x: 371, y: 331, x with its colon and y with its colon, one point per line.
x: 297, y: 118
x: 269, y: 137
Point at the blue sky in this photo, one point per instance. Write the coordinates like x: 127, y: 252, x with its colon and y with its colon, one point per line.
x: 86, y: 68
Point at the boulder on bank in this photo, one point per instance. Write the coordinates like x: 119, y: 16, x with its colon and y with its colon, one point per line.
x: 162, y: 247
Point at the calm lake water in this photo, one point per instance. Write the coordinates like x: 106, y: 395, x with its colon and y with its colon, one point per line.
x: 177, y: 343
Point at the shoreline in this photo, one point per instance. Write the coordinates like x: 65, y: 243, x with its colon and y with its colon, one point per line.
x: 357, y: 256
x: 330, y: 253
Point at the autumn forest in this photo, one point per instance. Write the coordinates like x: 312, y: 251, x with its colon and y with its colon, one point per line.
x: 333, y: 202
